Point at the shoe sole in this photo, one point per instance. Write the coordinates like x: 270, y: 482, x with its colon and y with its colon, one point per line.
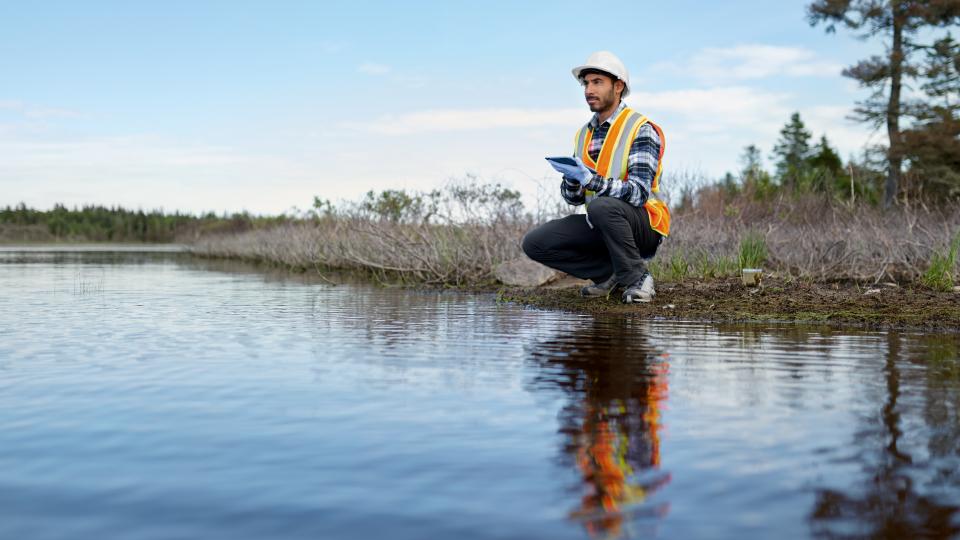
x: 601, y: 295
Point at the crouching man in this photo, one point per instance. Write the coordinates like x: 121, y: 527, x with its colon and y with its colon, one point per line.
x: 614, y: 172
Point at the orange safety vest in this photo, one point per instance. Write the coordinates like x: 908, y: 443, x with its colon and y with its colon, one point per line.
x: 612, y: 161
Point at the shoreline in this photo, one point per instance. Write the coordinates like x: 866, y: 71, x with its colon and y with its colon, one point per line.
x: 889, y: 306
x: 885, y: 306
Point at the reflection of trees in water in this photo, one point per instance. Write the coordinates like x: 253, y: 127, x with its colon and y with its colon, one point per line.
x: 942, y: 406
x: 617, y: 385
x: 898, y: 499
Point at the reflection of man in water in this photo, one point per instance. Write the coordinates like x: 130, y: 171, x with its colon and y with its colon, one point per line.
x: 605, y: 456
x: 613, y: 422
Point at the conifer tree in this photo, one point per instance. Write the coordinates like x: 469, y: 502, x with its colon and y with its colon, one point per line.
x: 754, y: 178
x: 792, y: 150
x: 824, y: 157
x: 751, y: 161
x: 827, y: 167
x: 899, y: 23
x: 932, y: 145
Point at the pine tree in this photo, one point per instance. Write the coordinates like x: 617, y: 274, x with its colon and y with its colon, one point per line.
x: 899, y: 23
x: 792, y: 150
x: 751, y: 161
x: 932, y: 145
x: 825, y: 158
x: 827, y: 167
x: 754, y: 178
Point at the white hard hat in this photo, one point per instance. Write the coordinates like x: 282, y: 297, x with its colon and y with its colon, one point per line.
x: 607, y: 62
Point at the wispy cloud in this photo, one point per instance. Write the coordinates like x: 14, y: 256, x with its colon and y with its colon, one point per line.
x: 439, y: 120
x: 373, y: 68
x: 756, y: 61
x: 143, y: 171
x: 708, y: 110
x: 29, y: 110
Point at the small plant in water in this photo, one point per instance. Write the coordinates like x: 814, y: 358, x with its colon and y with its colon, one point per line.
x: 82, y: 284
x: 753, y: 250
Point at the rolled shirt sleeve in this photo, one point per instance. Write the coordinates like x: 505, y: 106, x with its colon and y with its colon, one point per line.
x: 571, y: 191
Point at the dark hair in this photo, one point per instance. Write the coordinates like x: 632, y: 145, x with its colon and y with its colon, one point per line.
x: 592, y: 71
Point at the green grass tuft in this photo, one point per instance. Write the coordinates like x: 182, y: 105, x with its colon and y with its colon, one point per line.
x: 753, y: 251
x: 940, y: 275
x: 679, y: 267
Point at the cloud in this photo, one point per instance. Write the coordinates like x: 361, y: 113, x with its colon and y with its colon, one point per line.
x: 718, y: 109
x: 848, y: 136
x: 708, y: 110
x: 749, y: 62
x: 147, y: 171
x: 37, y: 112
x: 372, y: 68
x: 706, y: 129
x: 441, y: 120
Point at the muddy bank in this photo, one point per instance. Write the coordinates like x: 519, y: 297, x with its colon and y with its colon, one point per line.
x: 884, y: 306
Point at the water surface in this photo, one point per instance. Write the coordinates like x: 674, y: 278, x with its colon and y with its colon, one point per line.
x: 155, y: 396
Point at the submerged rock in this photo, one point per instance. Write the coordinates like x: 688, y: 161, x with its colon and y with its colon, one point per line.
x: 522, y: 272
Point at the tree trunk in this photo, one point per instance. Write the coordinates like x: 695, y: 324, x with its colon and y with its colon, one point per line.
x: 895, y: 151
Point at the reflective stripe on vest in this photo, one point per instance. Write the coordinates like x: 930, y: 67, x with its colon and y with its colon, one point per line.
x: 612, y: 162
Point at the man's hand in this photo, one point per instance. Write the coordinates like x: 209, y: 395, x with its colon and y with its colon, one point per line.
x: 576, y: 171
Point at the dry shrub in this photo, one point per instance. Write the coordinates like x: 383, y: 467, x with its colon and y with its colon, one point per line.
x: 815, y: 236
x: 414, y: 252
x: 455, y: 237
x: 462, y: 234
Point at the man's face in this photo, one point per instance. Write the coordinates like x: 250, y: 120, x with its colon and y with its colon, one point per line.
x: 600, y: 91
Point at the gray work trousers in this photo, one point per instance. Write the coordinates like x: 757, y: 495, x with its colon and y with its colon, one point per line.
x: 617, y: 244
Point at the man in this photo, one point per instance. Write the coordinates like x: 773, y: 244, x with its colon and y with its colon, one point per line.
x: 615, y: 171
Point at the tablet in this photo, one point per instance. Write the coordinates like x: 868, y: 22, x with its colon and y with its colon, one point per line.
x: 563, y: 160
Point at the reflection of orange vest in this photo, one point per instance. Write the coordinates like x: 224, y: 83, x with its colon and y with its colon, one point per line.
x: 612, y: 161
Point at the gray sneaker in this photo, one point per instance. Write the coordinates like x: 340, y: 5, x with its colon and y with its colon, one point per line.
x: 599, y: 289
x: 641, y: 291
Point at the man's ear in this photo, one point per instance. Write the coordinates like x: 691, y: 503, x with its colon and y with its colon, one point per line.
x: 619, y: 85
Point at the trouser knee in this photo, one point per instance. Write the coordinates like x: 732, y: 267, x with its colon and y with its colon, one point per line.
x: 602, y: 208
x: 530, y: 245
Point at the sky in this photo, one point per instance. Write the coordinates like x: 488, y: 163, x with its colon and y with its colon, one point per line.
x: 261, y: 106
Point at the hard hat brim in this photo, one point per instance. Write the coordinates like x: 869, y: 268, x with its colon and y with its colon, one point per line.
x: 577, y: 71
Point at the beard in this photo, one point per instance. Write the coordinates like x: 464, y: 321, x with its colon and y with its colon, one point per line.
x: 602, y: 102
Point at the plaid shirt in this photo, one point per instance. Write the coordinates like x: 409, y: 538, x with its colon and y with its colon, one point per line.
x: 641, y: 167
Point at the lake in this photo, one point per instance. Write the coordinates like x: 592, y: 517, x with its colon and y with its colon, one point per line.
x: 152, y: 395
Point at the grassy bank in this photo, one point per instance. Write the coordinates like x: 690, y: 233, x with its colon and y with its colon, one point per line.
x: 824, y: 261
x: 458, y: 240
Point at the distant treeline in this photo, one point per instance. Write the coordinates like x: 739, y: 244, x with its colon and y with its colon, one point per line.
x: 117, y: 224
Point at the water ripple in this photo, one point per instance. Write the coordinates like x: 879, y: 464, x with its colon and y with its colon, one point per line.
x: 155, y: 396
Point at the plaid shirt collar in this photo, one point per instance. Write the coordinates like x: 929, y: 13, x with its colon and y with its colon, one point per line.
x: 594, y: 124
